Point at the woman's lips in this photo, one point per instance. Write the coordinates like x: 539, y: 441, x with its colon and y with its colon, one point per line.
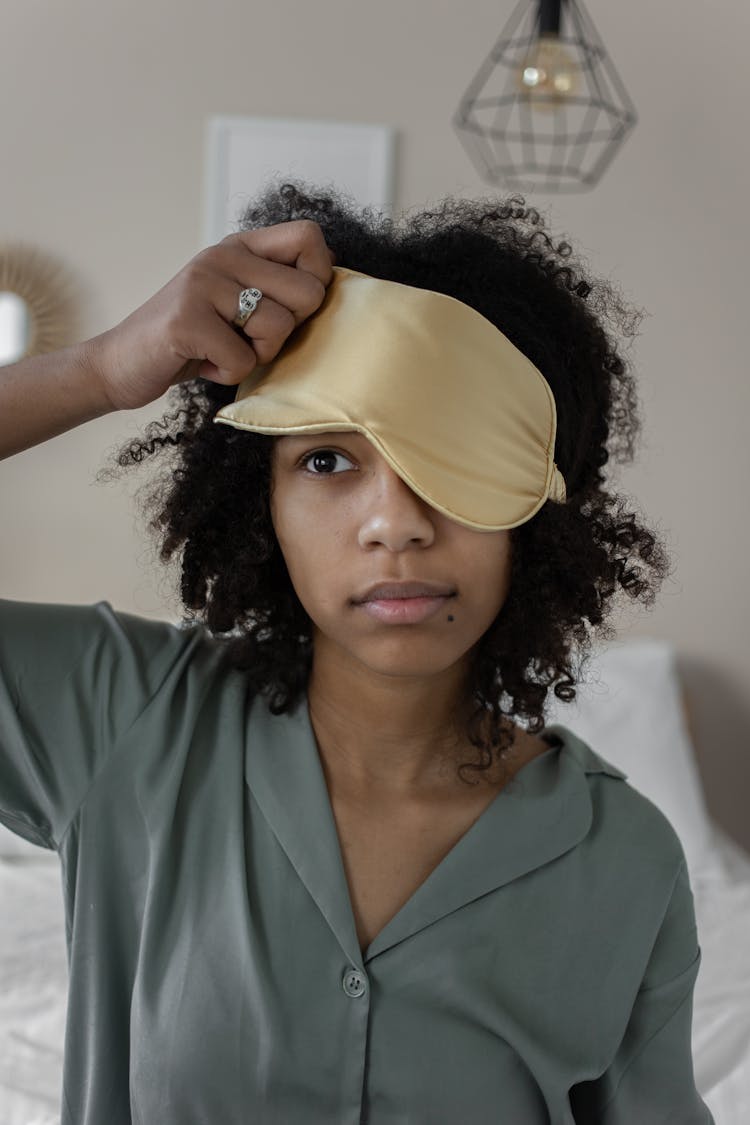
x: 404, y: 611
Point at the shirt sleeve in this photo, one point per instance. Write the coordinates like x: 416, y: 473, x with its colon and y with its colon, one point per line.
x: 650, y: 1079
x: 73, y: 679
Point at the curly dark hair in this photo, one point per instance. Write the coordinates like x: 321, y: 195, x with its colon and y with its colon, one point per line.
x: 568, y: 562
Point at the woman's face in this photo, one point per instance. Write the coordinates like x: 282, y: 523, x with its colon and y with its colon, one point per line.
x: 345, y: 520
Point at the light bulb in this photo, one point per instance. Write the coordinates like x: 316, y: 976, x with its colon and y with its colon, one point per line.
x: 548, y: 75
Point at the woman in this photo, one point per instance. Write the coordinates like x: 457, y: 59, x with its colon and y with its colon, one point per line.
x: 285, y: 902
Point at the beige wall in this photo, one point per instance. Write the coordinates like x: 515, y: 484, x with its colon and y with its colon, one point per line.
x: 102, y: 117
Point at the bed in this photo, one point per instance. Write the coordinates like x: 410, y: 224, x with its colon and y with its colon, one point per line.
x: 632, y: 710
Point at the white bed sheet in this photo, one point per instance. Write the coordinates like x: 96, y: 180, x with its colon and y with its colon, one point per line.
x: 34, y: 975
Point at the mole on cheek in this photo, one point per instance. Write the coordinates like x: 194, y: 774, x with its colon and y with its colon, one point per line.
x: 450, y: 616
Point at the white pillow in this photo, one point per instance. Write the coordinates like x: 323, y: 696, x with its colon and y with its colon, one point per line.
x: 630, y: 711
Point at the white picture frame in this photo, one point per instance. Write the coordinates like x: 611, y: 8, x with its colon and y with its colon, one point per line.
x: 244, y: 153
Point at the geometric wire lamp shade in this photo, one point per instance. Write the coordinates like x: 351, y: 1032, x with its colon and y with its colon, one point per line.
x: 547, y: 109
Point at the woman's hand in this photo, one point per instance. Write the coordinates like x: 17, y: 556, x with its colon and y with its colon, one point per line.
x: 185, y: 330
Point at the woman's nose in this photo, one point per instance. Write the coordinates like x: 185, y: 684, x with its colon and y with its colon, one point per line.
x: 394, y: 513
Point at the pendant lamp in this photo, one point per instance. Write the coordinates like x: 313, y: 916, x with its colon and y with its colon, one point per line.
x: 547, y: 110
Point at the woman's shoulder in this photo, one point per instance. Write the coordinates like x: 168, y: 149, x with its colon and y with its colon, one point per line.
x: 632, y: 823
x: 48, y: 640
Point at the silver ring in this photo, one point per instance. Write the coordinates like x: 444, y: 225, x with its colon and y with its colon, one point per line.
x: 248, y: 303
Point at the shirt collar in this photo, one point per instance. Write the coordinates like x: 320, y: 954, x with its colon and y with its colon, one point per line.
x: 544, y: 812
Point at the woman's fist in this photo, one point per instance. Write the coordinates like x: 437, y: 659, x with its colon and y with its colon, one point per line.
x: 185, y: 330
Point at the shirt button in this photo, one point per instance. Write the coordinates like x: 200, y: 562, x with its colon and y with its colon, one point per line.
x: 353, y: 982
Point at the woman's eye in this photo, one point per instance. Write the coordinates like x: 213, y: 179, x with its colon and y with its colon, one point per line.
x: 316, y: 456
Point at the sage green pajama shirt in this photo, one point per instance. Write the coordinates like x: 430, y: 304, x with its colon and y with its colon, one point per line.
x: 543, y: 973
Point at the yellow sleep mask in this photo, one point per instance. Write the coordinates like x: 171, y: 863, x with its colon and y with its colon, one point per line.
x: 463, y: 417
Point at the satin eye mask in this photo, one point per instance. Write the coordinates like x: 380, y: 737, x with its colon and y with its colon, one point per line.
x: 463, y: 417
